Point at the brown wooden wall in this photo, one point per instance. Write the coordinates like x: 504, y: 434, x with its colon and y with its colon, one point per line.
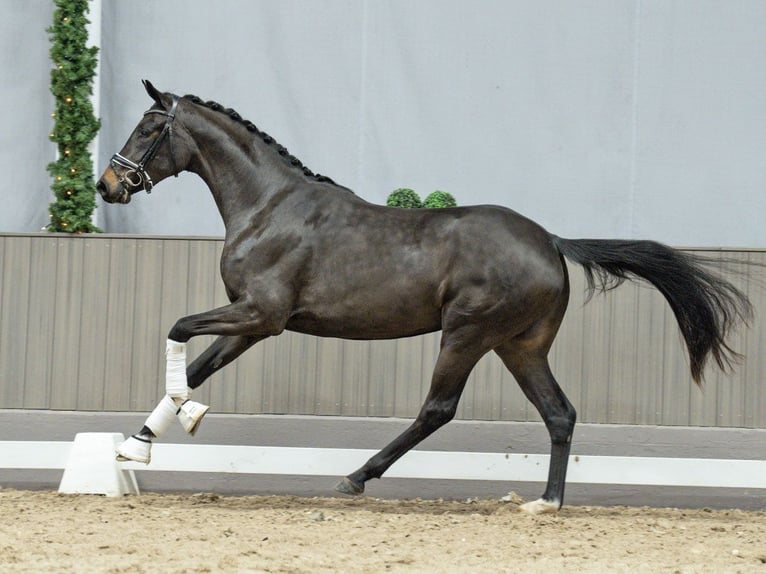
x: 83, y: 322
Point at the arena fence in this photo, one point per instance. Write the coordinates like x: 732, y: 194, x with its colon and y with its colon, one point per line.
x: 89, y: 465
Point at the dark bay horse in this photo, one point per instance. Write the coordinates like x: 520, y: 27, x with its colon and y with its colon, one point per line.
x: 305, y: 254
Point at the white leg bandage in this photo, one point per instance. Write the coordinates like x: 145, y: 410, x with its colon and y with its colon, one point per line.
x: 189, y: 413
x: 139, y: 447
x: 162, y: 415
x: 175, y: 370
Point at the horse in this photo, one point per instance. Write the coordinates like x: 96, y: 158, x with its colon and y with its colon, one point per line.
x: 305, y: 254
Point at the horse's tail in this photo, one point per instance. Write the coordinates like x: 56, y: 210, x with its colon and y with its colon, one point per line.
x: 706, y: 307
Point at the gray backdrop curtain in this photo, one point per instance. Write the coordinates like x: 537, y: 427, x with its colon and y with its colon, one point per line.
x: 605, y: 118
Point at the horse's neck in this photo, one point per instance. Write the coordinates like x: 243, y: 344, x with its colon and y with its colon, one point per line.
x: 243, y: 176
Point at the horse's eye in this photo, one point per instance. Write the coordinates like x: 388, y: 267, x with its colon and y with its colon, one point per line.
x: 144, y: 132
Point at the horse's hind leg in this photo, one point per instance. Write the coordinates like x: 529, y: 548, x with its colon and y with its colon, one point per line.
x: 450, y: 375
x: 532, y: 372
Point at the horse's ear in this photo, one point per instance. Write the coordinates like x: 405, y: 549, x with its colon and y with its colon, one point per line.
x: 153, y: 92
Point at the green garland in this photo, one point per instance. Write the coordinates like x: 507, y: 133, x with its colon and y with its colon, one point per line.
x: 75, y: 125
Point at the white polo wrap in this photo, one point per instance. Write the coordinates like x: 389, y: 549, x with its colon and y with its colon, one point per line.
x: 175, y: 370
x: 163, y: 414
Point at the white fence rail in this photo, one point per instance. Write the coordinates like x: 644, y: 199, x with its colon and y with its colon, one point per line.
x: 89, y: 465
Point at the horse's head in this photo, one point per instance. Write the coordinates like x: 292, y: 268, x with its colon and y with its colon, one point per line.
x: 155, y: 143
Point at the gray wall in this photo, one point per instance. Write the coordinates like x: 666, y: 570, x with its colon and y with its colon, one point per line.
x: 83, y: 322
x: 25, y: 115
x: 638, y: 118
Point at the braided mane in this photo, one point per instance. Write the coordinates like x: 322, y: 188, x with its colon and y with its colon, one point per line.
x: 267, y: 139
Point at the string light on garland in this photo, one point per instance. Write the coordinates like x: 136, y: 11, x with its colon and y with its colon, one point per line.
x: 75, y: 126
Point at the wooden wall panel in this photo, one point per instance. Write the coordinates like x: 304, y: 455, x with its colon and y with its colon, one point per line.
x: 83, y: 323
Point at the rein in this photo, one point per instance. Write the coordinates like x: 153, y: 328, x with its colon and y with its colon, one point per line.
x: 136, y: 174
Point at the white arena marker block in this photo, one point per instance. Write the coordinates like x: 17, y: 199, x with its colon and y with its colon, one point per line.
x: 92, y: 468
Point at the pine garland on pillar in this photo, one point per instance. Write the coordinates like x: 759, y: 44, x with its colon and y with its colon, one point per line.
x: 75, y: 124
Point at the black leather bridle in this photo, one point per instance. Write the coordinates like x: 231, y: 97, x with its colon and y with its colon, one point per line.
x: 136, y: 175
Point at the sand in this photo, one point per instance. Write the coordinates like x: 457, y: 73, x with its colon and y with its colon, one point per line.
x: 164, y: 533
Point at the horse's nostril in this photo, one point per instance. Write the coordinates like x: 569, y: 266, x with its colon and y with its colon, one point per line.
x: 101, y: 187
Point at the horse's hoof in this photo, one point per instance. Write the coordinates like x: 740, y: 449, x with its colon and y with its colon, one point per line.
x: 347, y: 486
x: 190, y: 415
x: 541, y: 506
x: 136, y: 449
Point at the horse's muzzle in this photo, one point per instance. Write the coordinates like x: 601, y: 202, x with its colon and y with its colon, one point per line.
x: 112, y: 191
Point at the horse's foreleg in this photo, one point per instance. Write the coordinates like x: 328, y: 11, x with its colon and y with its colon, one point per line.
x: 241, y: 318
x: 175, y: 404
x: 222, y: 352
x: 235, y: 323
x: 240, y: 325
x: 538, y: 384
x: 449, y: 378
x: 181, y: 381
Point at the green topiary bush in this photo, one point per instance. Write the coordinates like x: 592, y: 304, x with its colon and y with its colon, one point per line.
x: 440, y: 199
x: 405, y: 198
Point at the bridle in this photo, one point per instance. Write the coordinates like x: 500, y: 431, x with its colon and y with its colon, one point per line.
x: 136, y: 174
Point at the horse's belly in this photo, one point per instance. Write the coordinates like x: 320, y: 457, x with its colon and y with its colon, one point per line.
x: 365, y: 322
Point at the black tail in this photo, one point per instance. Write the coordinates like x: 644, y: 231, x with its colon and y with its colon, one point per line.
x: 706, y: 307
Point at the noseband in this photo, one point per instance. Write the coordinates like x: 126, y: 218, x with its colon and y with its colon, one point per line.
x: 136, y: 174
